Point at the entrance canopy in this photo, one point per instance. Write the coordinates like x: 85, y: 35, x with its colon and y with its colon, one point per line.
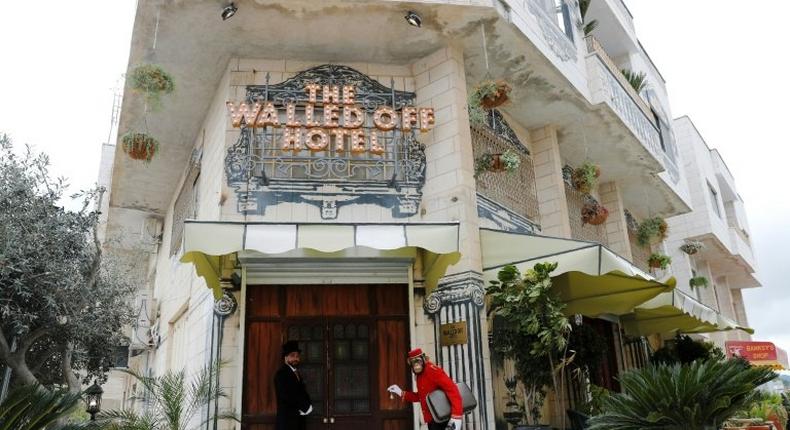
x: 591, y: 279
x: 206, y: 241
x: 676, y: 311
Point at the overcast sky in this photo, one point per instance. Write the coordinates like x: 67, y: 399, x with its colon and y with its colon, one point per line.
x: 725, y: 63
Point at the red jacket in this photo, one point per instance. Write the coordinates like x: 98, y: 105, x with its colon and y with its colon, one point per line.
x: 433, y: 378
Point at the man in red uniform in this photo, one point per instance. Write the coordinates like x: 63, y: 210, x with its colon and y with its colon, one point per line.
x: 431, y: 377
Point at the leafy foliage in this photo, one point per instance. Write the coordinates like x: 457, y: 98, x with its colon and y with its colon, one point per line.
x: 692, y: 247
x: 659, y: 261
x: 530, y: 328
x: 588, y: 348
x: 153, y: 81
x: 585, y: 177
x: 681, y: 397
x: 489, y: 94
x: 638, y: 81
x: 139, y: 146
x: 508, y: 161
x: 173, y: 402
x: 31, y: 407
x: 768, y: 407
x: 63, y: 303
x: 684, y: 350
x: 587, y: 26
x: 651, y: 228
x: 698, y: 281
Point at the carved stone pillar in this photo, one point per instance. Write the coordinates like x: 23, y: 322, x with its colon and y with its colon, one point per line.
x: 460, y: 298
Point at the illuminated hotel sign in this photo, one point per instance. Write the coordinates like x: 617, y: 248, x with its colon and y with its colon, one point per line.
x: 329, y: 137
x: 334, y: 123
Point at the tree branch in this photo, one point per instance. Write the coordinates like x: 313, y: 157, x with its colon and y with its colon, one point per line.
x: 5, y: 351
x: 95, y: 265
x: 68, y: 373
x: 27, y: 341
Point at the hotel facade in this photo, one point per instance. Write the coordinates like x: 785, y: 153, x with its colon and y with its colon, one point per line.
x: 316, y: 181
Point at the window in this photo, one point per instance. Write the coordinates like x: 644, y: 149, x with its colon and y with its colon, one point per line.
x: 714, y: 199
x: 563, y: 13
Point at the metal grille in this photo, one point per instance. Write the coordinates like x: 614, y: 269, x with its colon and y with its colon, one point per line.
x: 185, y: 206
x: 576, y: 200
x: 639, y: 254
x: 516, y: 190
x: 636, y: 353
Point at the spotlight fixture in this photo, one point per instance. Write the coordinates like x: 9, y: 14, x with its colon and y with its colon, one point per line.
x: 228, y: 11
x: 413, y: 19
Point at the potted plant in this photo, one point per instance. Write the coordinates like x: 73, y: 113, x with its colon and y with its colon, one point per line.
x: 651, y: 229
x: 497, y: 162
x: 594, y: 213
x: 659, y: 261
x: 139, y: 146
x: 531, y: 329
x: 477, y: 115
x: 698, y: 281
x: 699, y: 395
x: 489, y: 94
x: 638, y: 81
x: 692, y: 247
x: 152, y: 81
x: 585, y: 177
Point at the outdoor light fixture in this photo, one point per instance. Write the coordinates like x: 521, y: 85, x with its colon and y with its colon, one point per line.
x: 93, y: 400
x: 413, y: 19
x: 228, y: 11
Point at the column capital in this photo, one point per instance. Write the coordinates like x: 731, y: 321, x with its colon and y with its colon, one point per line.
x: 458, y: 288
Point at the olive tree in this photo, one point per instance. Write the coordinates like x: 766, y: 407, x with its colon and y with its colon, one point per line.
x: 62, y: 305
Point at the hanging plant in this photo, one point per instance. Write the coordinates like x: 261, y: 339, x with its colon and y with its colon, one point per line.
x: 585, y: 177
x: 638, y: 81
x: 139, y: 146
x: 659, y: 261
x: 698, y: 281
x: 497, y: 162
x: 692, y: 247
x: 651, y: 229
x: 477, y: 115
x: 594, y: 213
x: 152, y: 81
x: 489, y: 94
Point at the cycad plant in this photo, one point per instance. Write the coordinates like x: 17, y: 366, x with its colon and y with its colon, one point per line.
x: 638, y: 80
x: 700, y: 395
x: 172, y: 402
x: 33, y: 407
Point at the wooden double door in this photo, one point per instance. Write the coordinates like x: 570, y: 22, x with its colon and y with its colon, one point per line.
x: 353, y: 340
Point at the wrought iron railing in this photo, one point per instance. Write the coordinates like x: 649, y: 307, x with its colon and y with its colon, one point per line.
x: 515, y: 190
x: 579, y: 230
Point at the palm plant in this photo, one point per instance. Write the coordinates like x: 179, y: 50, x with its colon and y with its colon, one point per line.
x: 172, y: 402
x: 32, y: 407
x: 587, y: 27
x: 696, y: 396
x: 638, y: 80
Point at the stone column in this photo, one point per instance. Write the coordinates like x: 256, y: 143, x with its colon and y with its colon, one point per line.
x: 450, y: 195
x: 554, y: 220
x: 616, y: 226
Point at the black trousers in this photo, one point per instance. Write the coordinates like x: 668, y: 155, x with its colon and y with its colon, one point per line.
x: 438, y: 426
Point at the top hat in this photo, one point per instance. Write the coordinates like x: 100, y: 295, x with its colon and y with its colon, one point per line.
x: 416, y: 352
x: 291, y: 346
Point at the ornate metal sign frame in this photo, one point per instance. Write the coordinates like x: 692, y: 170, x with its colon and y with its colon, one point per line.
x: 262, y: 174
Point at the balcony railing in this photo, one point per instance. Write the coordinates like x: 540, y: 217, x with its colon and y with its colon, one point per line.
x: 576, y: 200
x: 639, y: 254
x: 624, y: 100
x: 741, y: 246
x: 515, y: 190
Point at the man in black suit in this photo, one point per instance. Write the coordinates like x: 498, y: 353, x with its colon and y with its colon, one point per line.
x: 293, y: 402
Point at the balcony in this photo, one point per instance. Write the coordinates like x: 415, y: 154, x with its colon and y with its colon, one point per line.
x: 742, y: 249
x: 639, y: 254
x: 512, y: 192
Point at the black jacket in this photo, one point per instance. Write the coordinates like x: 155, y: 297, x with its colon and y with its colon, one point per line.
x: 292, y: 397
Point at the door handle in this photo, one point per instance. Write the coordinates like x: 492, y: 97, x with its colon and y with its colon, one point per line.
x: 332, y: 420
x: 326, y: 420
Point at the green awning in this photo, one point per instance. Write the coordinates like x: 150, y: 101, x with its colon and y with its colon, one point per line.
x: 676, y: 311
x: 590, y: 278
x: 206, y: 241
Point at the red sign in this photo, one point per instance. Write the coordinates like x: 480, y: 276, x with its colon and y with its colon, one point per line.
x: 751, y: 351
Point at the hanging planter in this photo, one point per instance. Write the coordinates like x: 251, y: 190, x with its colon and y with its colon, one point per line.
x: 152, y: 81
x: 650, y: 230
x: 585, y: 177
x: 497, y: 162
x: 692, y: 247
x: 477, y: 115
x: 698, y: 281
x: 659, y: 261
x: 594, y: 213
x: 139, y: 146
x: 490, y: 94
